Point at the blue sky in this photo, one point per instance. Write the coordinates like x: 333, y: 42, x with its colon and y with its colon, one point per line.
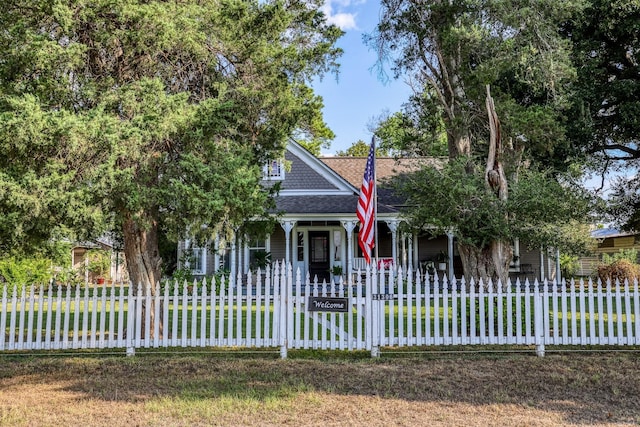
x: 358, y: 96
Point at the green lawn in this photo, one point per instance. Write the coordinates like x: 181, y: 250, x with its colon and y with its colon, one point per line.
x: 92, y: 312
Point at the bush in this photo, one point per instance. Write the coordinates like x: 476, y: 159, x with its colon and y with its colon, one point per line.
x: 630, y: 255
x: 19, y: 272
x: 618, y: 270
x: 569, y: 265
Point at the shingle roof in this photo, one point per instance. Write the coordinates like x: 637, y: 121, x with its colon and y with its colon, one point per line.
x: 603, y: 233
x: 352, y: 168
x: 323, y: 204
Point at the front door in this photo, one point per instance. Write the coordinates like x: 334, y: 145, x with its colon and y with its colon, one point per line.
x: 319, y: 255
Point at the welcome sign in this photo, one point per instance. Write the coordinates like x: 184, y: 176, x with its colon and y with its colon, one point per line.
x: 334, y: 305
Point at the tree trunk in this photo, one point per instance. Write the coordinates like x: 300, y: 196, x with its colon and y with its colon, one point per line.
x: 493, y: 260
x: 459, y: 145
x: 143, y: 261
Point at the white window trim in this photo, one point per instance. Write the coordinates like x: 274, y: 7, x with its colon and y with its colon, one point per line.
x: 271, y: 172
x: 203, y: 258
x: 248, y: 249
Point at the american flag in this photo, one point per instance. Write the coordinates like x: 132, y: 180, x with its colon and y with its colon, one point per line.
x: 366, y: 204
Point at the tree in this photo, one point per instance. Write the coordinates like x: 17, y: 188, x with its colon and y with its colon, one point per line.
x: 417, y: 131
x: 539, y: 211
x: 135, y: 115
x: 454, y: 50
x: 605, y: 120
x: 361, y: 149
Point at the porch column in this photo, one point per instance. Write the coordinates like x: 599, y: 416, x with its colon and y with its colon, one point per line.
x: 450, y: 254
x: 558, y: 272
x: 416, y: 259
x: 216, y: 253
x: 245, y: 253
x: 409, y: 251
x: 349, y: 226
x: 232, y: 258
x: 393, y: 226
x: 403, y: 251
x: 541, y: 265
x: 287, y: 226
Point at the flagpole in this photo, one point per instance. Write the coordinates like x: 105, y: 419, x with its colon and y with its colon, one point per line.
x: 375, y: 199
x: 367, y: 209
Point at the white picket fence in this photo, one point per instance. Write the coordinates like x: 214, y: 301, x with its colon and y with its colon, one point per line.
x: 275, y: 310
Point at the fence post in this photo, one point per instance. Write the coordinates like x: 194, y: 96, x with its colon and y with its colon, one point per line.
x: 285, y: 290
x: 375, y: 311
x: 538, y: 320
x: 131, y: 319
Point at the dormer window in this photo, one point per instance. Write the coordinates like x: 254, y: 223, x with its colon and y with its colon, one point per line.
x: 274, y: 171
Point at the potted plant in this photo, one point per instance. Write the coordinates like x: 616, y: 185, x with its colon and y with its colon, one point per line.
x: 336, y: 270
x: 99, y: 263
x: 442, y: 258
x: 261, y: 259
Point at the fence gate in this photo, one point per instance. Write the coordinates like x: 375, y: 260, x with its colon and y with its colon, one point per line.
x: 327, y: 316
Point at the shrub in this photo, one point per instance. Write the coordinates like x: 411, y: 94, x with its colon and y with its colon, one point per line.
x: 569, y: 265
x: 19, y: 272
x: 630, y: 255
x: 618, y: 270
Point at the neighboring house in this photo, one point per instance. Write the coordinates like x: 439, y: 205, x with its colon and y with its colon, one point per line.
x: 116, y: 270
x: 316, y: 210
x: 609, y: 241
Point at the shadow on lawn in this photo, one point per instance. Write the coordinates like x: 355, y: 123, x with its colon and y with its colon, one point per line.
x: 584, y: 389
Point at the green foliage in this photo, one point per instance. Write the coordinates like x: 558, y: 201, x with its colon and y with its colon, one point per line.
x: 134, y: 115
x: 21, y: 272
x: 624, y: 203
x: 451, y: 50
x: 454, y: 53
x: 416, y: 131
x: 539, y: 210
x: 569, y: 265
x: 606, y: 51
x: 630, y: 255
x: 182, y: 275
x: 99, y: 261
x: 361, y: 149
x: 69, y: 277
x: 605, y: 119
x: 261, y: 259
x: 442, y: 257
x: 59, y: 251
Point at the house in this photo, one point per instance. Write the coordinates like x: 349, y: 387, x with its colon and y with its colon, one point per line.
x: 316, y: 211
x: 114, y: 268
x: 608, y: 241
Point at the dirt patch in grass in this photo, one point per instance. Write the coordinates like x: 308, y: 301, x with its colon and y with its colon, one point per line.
x: 568, y: 389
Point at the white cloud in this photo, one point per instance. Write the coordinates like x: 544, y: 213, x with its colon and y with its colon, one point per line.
x: 345, y: 21
x: 341, y: 17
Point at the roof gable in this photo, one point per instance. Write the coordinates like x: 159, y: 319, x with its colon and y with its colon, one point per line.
x: 308, y: 175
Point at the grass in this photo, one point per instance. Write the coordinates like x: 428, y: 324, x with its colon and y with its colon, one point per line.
x: 321, y: 388
x: 90, y: 311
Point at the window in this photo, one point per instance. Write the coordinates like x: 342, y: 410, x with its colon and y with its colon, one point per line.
x: 274, y: 171
x: 195, y: 258
x: 259, y: 256
x: 300, y: 246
